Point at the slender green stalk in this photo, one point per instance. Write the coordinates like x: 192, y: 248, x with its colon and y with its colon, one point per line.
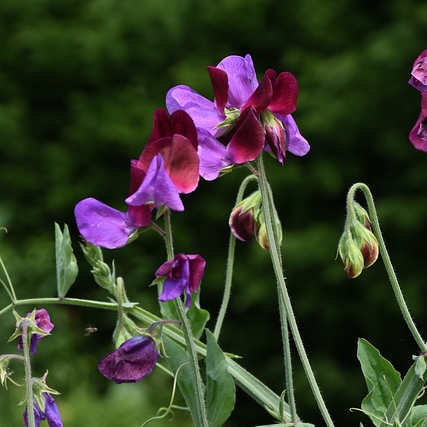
x: 28, y: 375
x: 202, y: 413
x: 386, y: 259
x: 67, y: 301
x: 8, y: 285
x: 230, y: 264
x: 284, y: 298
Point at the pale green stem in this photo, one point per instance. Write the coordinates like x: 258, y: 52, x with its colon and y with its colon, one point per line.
x: 230, y: 264
x: 8, y: 286
x: 202, y: 417
x: 28, y: 375
x: 67, y: 301
x: 386, y: 259
x: 284, y: 295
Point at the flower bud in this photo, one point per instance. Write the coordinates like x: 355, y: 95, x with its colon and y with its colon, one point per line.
x: 350, y: 255
x: 261, y: 231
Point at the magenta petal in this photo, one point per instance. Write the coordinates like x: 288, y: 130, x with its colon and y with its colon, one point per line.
x: 197, y: 269
x: 102, y: 225
x: 262, y: 96
x: 157, y: 188
x: 419, y: 73
x: 418, y: 134
x: 248, y: 140
x: 285, y: 93
x: 219, y: 81
x: 213, y: 156
x: 242, y: 79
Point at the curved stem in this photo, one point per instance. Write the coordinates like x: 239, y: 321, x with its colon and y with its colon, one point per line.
x: 8, y: 286
x: 230, y: 264
x: 284, y: 298
x: 386, y: 259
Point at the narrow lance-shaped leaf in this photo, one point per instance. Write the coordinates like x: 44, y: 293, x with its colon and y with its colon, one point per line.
x: 66, y: 264
x: 220, y: 387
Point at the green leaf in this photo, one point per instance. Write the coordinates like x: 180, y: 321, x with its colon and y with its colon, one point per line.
x: 220, y: 387
x: 198, y: 317
x: 381, y: 378
x: 404, y: 399
x: 179, y: 361
x: 419, y: 416
x: 66, y: 264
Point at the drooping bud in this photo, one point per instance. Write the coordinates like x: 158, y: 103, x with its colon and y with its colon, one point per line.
x: 350, y: 255
x: 358, y: 246
x: 243, y: 217
x: 261, y: 231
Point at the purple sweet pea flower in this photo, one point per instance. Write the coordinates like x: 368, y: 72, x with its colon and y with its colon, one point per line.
x: 134, y: 360
x: 419, y: 72
x: 168, y: 166
x: 418, y: 134
x: 42, y: 321
x: 245, y: 116
x: 182, y: 274
x: 49, y: 413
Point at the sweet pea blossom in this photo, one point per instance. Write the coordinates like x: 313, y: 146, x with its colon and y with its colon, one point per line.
x: 245, y: 116
x: 167, y: 167
x: 183, y: 273
x: 38, y: 321
x: 134, y: 360
x: 49, y: 411
x: 418, y: 134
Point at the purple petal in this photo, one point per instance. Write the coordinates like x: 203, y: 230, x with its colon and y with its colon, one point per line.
x: 213, y: 156
x: 39, y: 416
x: 134, y: 360
x: 242, y: 80
x: 199, y: 108
x: 157, y: 188
x: 419, y: 73
x: 298, y: 145
x: 102, y: 225
x: 52, y: 412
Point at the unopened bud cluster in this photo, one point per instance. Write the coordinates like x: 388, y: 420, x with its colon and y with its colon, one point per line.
x: 247, y: 221
x: 358, y: 247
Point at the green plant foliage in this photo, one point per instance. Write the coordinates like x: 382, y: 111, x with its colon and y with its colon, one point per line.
x: 381, y: 378
x: 220, y: 388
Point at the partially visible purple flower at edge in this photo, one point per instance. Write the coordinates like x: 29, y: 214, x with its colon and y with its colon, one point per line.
x: 245, y: 116
x: 50, y: 413
x: 134, y: 360
x: 43, y: 322
x: 183, y: 274
x: 418, y: 134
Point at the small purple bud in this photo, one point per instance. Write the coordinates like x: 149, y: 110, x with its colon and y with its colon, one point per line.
x: 134, y: 360
x: 41, y: 322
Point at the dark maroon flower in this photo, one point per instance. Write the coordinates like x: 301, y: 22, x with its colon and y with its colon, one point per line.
x: 183, y: 273
x: 134, y: 360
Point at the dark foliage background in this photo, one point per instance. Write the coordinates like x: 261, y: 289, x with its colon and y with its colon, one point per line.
x: 79, y: 81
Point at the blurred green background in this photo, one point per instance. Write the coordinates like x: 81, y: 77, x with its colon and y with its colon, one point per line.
x: 79, y: 80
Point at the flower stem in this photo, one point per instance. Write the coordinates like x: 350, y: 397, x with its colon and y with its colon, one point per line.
x: 28, y: 376
x: 8, y: 285
x: 199, y: 392
x: 386, y: 259
x: 230, y: 264
x: 284, y: 298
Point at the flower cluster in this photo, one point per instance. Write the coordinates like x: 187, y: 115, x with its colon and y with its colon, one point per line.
x: 194, y: 137
x: 418, y: 134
